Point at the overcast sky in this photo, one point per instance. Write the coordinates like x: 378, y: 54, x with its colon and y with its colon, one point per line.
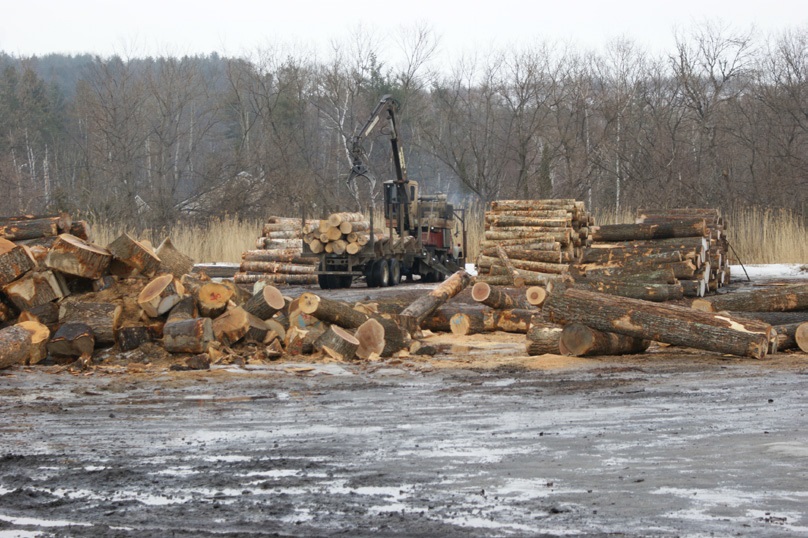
x: 235, y: 27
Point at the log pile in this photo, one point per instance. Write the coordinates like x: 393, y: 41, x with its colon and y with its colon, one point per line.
x: 278, y: 256
x: 664, y: 256
x: 532, y: 242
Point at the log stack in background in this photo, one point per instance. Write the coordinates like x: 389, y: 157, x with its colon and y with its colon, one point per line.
x: 346, y: 233
x: 532, y: 242
x: 278, y: 256
x: 664, y: 256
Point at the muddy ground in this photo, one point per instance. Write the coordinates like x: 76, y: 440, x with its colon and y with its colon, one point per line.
x: 478, y: 440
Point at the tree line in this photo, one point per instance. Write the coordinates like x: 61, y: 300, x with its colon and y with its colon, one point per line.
x: 720, y: 121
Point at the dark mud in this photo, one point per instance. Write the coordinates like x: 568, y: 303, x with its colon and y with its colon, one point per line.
x: 659, y: 445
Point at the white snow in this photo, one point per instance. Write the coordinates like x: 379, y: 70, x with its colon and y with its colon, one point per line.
x: 769, y: 271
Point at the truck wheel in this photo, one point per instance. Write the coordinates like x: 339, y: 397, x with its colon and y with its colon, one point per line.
x: 324, y: 281
x: 395, y: 272
x: 345, y: 281
x: 381, y: 273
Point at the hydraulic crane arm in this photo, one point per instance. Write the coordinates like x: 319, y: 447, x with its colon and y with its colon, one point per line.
x: 385, y: 110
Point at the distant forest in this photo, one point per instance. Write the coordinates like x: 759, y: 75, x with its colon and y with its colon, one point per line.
x: 720, y: 121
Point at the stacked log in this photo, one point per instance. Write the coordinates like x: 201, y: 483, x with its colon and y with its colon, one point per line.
x: 717, y: 252
x: 664, y: 256
x: 532, y: 242
x: 278, y: 256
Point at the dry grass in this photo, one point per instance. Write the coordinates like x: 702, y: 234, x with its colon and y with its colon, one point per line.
x: 222, y: 240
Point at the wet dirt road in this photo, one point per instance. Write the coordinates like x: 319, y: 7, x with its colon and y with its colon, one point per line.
x: 666, y: 444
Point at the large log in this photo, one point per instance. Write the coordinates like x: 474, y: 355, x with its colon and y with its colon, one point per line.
x: 231, y: 326
x: 492, y: 296
x: 514, y: 320
x: 40, y: 335
x: 133, y: 336
x: 371, y: 339
x: 542, y: 337
x: 657, y: 255
x: 335, y: 219
x: 428, y: 303
x: 774, y: 318
x: 19, y: 230
x: 535, y: 296
x: 774, y: 299
x: 505, y: 220
x: 641, y: 232
x: 676, y: 243
x: 337, y: 343
x: 658, y: 293
x: 787, y: 336
x: 537, y: 267
x: 562, y: 236
x: 73, y: 256
x: 243, y: 277
x: 192, y: 335
x: 15, y: 261
x: 466, y: 323
x: 579, y: 340
x: 663, y: 323
x: 73, y: 340
x: 135, y: 254
x: 35, y: 289
x: 683, y: 269
x: 801, y: 337
x: 160, y: 295
x: 172, y: 260
x: 265, y: 303
x: 288, y: 255
x: 276, y: 267
x: 533, y: 205
x: 659, y: 275
x: 15, y: 346
x: 102, y: 318
x: 551, y: 256
x: 440, y: 319
x: 212, y: 299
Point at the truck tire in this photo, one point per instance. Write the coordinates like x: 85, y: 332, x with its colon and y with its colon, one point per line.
x: 395, y: 272
x: 381, y: 273
x: 325, y: 281
x: 345, y: 281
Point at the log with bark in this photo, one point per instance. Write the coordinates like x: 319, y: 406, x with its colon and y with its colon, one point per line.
x: 578, y: 340
x: 657, y: 255
x: 22, y: 228
x: 535, y: 296
x: 172, y: 260
x: 493, y: 296
x: 658, y: 293
x: 193, y: 335
x: 231, y: 326
x: 40, y: 336
x: 74, y: 256
x: 694, y: 227
x: 73, y: 340
x: 160, y: 295
x: 528, y: 254
x: 428, y: 303
x: 801, y: 337
x: 775, y: 299
x: 287, y: 256
x: 133, y: 336
x: 663, y: 323
x: 15, y: 346
x: 242, y: 277
x: 212, y: 299
x: 337, y: 343
x: 102, y: 318
x: 539, y: 267
x: 15, y: 261
x: 542, y: 337
x: 371, y: 339
x: 135, y: 254
x: 265, y: 303
x: 35, y: 288
x: 659, y: 275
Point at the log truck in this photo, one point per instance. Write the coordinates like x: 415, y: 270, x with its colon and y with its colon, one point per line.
x: 419, y: 227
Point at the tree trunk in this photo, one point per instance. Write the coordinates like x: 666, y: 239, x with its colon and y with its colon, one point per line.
x: 538, y: 267
x: 801, y: 337
x: 102, y: 318
x: 80, y: 229
x: 693, y: 288
x: 15, y: 346
x: 337, y: 343
x: 40, y: 336
x: 634, y: 232
x: 19, y: 230
x: 35, y: 289
x: 492, y: 296
x: 610, y: 255
x: 775, y: 299
x: 160, y: 295
x: 516, y: 320
x: 265, y: 303
x: 528, y: 236
x: 533, y: 255
x: 135, y: 254
x: 278, y: 278
x: 536, y: 295
x: 192, y: 335
x: 466, y: 323
x: 276, y: 267
x: 775, y: 318
x: 439, y: 321
x: 660, y: 275
x: 212, y: 299
x: 172, y: 260
x: 664, y: 323
x: 15, y: 261
x: 426, y: 304
x: 508, y: 220
x: 579, y: 340
x: 542, y: 337
x: 132, y: 337
x: 73, y: 340
x: 72, y: 256
x: 231, y: 326
x: 288, y: 255
x: 658, y: 293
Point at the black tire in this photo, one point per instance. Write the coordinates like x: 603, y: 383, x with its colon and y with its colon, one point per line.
x: 381, y: 273
x: 345, y: 281
x: 324, y: 281
x: 370, y: 277
x: 395, y: 272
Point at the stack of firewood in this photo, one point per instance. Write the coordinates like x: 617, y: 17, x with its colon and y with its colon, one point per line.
x: 717, y: 253
x: 278, y: 257
x: 345, y: 233
x: 532, y: 242
x: 663, y: 258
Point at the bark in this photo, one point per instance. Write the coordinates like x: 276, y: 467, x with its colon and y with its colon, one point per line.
x: 132, y: 337
x: 440, y: 319
x: 80, y: 229
x: 35, y: 289
x: 135, y: 254
x: 426, y: 304
x: 579, y: 340
x: 15, y: 261
x: 657, y: 293
x: 265, y: 303
x: 607, y: 255
x: 693, y: 288
x: 663, y: 323
x: 335, y: 219
x: 15, y: 346
x: 231, y: 326
x: 466, y: 323
x: 242, y: 277
x: 787, y: 336
x: 288, y: 256
x: 172, y: 260
x: 337, y: 343
x: 567, y: 204
x: 72, y: 340
x: 529, y: 236
x: 102, y: 318
x: 542, y: 337
x: 775, y: 299
x: 775, y: 318
x: 660, y: 275
x: 74, y: 256
x: 641, y: 232
x: 19, y: 230
x: 491, y: 296
x: 537, y: 267
x: 192, y: 335
x: 535, y: 255
x: 515, y: 320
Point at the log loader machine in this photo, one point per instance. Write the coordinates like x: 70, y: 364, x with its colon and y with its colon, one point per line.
x: 419, y: 228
